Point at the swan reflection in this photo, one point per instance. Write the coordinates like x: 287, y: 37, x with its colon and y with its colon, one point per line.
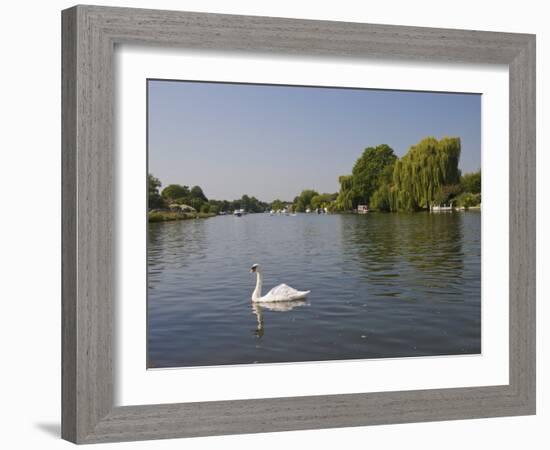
x: 258, y: 309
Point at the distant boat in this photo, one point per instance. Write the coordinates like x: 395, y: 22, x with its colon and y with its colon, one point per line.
x: 239, y: 212
x: 439, y: 208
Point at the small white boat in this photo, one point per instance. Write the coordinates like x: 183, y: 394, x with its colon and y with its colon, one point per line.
x: 439, y: 208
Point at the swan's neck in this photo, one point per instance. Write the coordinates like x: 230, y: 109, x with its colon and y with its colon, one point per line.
x: 258, y: 290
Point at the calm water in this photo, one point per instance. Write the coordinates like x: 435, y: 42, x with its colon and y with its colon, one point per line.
x: 383, y: 285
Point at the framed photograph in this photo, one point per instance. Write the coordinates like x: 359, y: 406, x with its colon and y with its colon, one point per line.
x: 279, y: 224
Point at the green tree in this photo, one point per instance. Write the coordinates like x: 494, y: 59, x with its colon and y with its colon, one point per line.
x: 303, y: 201
x: 370, y: 171
x: 235, y: 204
x: 467, y: 199
x: 381, y: 200
x: 277, y: 204
x: 175, y: 191
x: 154, y: 200
x: 344, y: 200
x: 322, y: 200
x: 447, y: 193
x: 195, y: 202
x: 245, y: 202
x: 255, y: 205
x: 421, y: 173
x: 471, y: 182
x: 196, y: 193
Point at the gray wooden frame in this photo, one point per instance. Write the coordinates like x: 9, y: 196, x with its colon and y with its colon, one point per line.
x: 89, y: 36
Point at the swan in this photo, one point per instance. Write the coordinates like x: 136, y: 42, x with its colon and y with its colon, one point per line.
x: 281, y: 293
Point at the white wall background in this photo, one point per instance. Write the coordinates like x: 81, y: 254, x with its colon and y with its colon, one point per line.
x: 31, y: 237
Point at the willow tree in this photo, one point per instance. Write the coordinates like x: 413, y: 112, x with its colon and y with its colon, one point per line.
x: 344, y: 200
x: 427, y: 166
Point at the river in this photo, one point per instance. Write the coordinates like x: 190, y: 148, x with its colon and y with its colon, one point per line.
x: 382, y: 285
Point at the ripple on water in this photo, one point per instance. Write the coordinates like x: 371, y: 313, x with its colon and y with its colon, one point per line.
x: 383, y: 285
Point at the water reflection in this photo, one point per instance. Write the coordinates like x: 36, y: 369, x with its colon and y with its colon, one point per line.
x: 172, y: 246
x: 415, y: 251
x: 259, y: 307
x: 382, y: 285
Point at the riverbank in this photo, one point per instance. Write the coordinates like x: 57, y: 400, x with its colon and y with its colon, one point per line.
x: 168, y: 216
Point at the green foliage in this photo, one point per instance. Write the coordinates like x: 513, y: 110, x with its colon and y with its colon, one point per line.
x: 471, y: 182
x: 219, y: 206
x: 175, y: 191
x: 163, y: 216
x: 168, y: 216
x: 194, y: 202
x: 277, y: 204
x: 322, y: 200
x: 196, y: 192
x: 245, y: 202
x: 447, y: 194
x: 154, y: 200
x: 251, y: 204
x: 372, y: 169
x: 423, y: 171
x: 381, y: 200
x: 344, y: 200
x: 427, y: 174
x: 303, y: 201
x: 467, y: 200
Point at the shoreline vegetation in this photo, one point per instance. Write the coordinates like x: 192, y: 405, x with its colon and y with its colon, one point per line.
x: 168, y: 216
x: 426, y: 178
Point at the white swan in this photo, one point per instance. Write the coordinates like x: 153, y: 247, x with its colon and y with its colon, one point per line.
x: 281, y: 293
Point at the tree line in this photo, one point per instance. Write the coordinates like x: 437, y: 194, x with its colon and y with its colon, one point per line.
x: 426, y: 175
x: 177, y: 194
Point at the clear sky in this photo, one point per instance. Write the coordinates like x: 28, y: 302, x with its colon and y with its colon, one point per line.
x: 274, y: 141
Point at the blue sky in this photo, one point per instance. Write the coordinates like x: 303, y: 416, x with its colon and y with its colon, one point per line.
x: 274, y: 141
